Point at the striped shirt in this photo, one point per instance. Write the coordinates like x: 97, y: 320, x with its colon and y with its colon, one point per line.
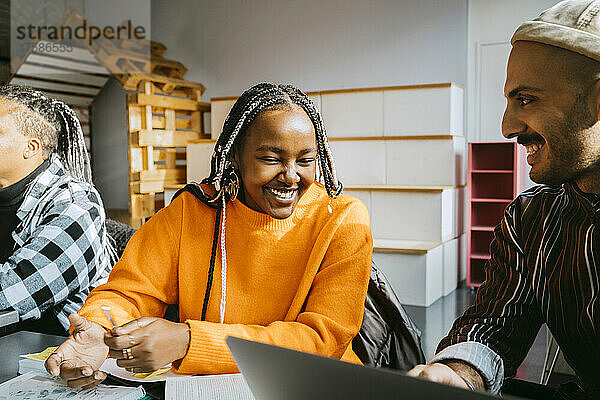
x: 543, y: 269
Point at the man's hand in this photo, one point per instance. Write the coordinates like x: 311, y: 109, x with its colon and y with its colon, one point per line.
x: 148, y: 344
x: 451, y: 373
x: 77, y: 360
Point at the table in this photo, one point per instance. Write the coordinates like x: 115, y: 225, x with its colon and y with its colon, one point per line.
x: 8, y: 318
x: 11, y: 346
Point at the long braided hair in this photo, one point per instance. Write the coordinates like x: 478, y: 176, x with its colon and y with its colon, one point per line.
x: 55, y: 124
x: 59, y: 130
x: 259, y: 98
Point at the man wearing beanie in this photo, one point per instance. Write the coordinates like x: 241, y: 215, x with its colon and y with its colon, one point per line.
x: 545, y: 258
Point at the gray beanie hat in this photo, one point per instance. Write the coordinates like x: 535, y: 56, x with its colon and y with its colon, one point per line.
x: 572, y: 25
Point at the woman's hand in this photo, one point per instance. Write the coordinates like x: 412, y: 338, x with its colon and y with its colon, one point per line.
x: 77, y: 360
x: 148, y: 343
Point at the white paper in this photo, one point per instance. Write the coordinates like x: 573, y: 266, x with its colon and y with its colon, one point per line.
x: 110, y: 367
x: 33, y: 386
x: 208, y: 387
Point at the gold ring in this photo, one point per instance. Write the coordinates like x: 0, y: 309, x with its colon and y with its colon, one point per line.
x: 127, y: 354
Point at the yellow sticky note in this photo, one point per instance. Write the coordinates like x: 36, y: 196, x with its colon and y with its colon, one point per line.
x: 43, y: 355
x: 149, y: 375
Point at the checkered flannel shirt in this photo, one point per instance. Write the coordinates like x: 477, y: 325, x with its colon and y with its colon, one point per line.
x: 60, y: 243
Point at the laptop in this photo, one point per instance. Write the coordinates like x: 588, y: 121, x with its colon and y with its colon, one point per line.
x: 275, y: 373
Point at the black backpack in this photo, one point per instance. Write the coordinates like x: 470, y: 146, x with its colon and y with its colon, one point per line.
x: 388, y: 337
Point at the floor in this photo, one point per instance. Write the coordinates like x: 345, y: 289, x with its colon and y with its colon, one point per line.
x: 436, y: 320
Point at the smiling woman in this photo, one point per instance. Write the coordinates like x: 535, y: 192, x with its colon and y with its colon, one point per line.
x: 295, y: 255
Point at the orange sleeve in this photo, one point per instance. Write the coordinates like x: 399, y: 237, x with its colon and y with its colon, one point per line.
x: 332, y: 315
x: 144, y: 280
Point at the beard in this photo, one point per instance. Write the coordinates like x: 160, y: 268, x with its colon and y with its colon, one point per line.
x: 571, y: 148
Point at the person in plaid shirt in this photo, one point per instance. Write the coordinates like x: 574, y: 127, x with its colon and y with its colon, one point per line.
x: 53, y: 244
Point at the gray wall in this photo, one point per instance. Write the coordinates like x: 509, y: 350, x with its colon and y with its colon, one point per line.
x: 109, y: 145
x: 229, y: 45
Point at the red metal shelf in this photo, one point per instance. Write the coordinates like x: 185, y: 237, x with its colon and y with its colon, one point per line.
x: 496, y: 176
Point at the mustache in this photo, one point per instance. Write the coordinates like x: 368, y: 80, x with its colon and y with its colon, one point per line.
x: 528, y: 138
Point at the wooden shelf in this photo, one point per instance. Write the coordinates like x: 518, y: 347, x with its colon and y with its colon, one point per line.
x: 366, y: 138
x: 402, y: 188
x: 403, y: 246
x: 480, y: 256
x: 483, y: 228
x: 492, y: 171
x: 397, y: 137
x: 491, y: 200
x: 359, y: 90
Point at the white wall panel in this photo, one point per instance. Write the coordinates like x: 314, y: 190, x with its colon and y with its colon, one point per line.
x: 360, y: 162
x: 416, y: 279
x: 218, y: 112
x: 421, y: 279
x: 353, y: 114
x: 198, y: 160
x: 422, y: 111
x: 450, y: 265
x: 416, y: 215
x: 457, y: 110
x: 426, y: 162
x: 407, y: 215
x: 401, y: 162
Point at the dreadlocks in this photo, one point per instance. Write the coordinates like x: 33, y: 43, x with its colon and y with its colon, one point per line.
x: 54, y: 123
x: 257, y: 99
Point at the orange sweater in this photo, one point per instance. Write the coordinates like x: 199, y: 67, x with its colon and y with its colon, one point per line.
x: 298, y: 282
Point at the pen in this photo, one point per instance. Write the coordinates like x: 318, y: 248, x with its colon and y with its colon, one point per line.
x: 110, y: 318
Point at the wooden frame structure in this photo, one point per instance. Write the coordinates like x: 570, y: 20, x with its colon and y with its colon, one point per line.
x: 164, y: 110
x: 160, y: 127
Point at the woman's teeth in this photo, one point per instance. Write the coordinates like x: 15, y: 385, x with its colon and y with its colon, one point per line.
x: 533, y: 148
x: 282, y: 194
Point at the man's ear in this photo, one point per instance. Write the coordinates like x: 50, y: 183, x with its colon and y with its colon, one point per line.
x: 33, y: 148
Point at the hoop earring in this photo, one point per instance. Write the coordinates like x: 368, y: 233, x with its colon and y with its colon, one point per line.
x: 233, y: 186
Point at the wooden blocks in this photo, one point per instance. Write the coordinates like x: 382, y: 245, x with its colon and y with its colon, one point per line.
x: 160, y: 128
x: 163, y: 138
x: 142, y: 99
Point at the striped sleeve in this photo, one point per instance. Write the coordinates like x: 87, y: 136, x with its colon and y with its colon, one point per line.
x: 505, y: 317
